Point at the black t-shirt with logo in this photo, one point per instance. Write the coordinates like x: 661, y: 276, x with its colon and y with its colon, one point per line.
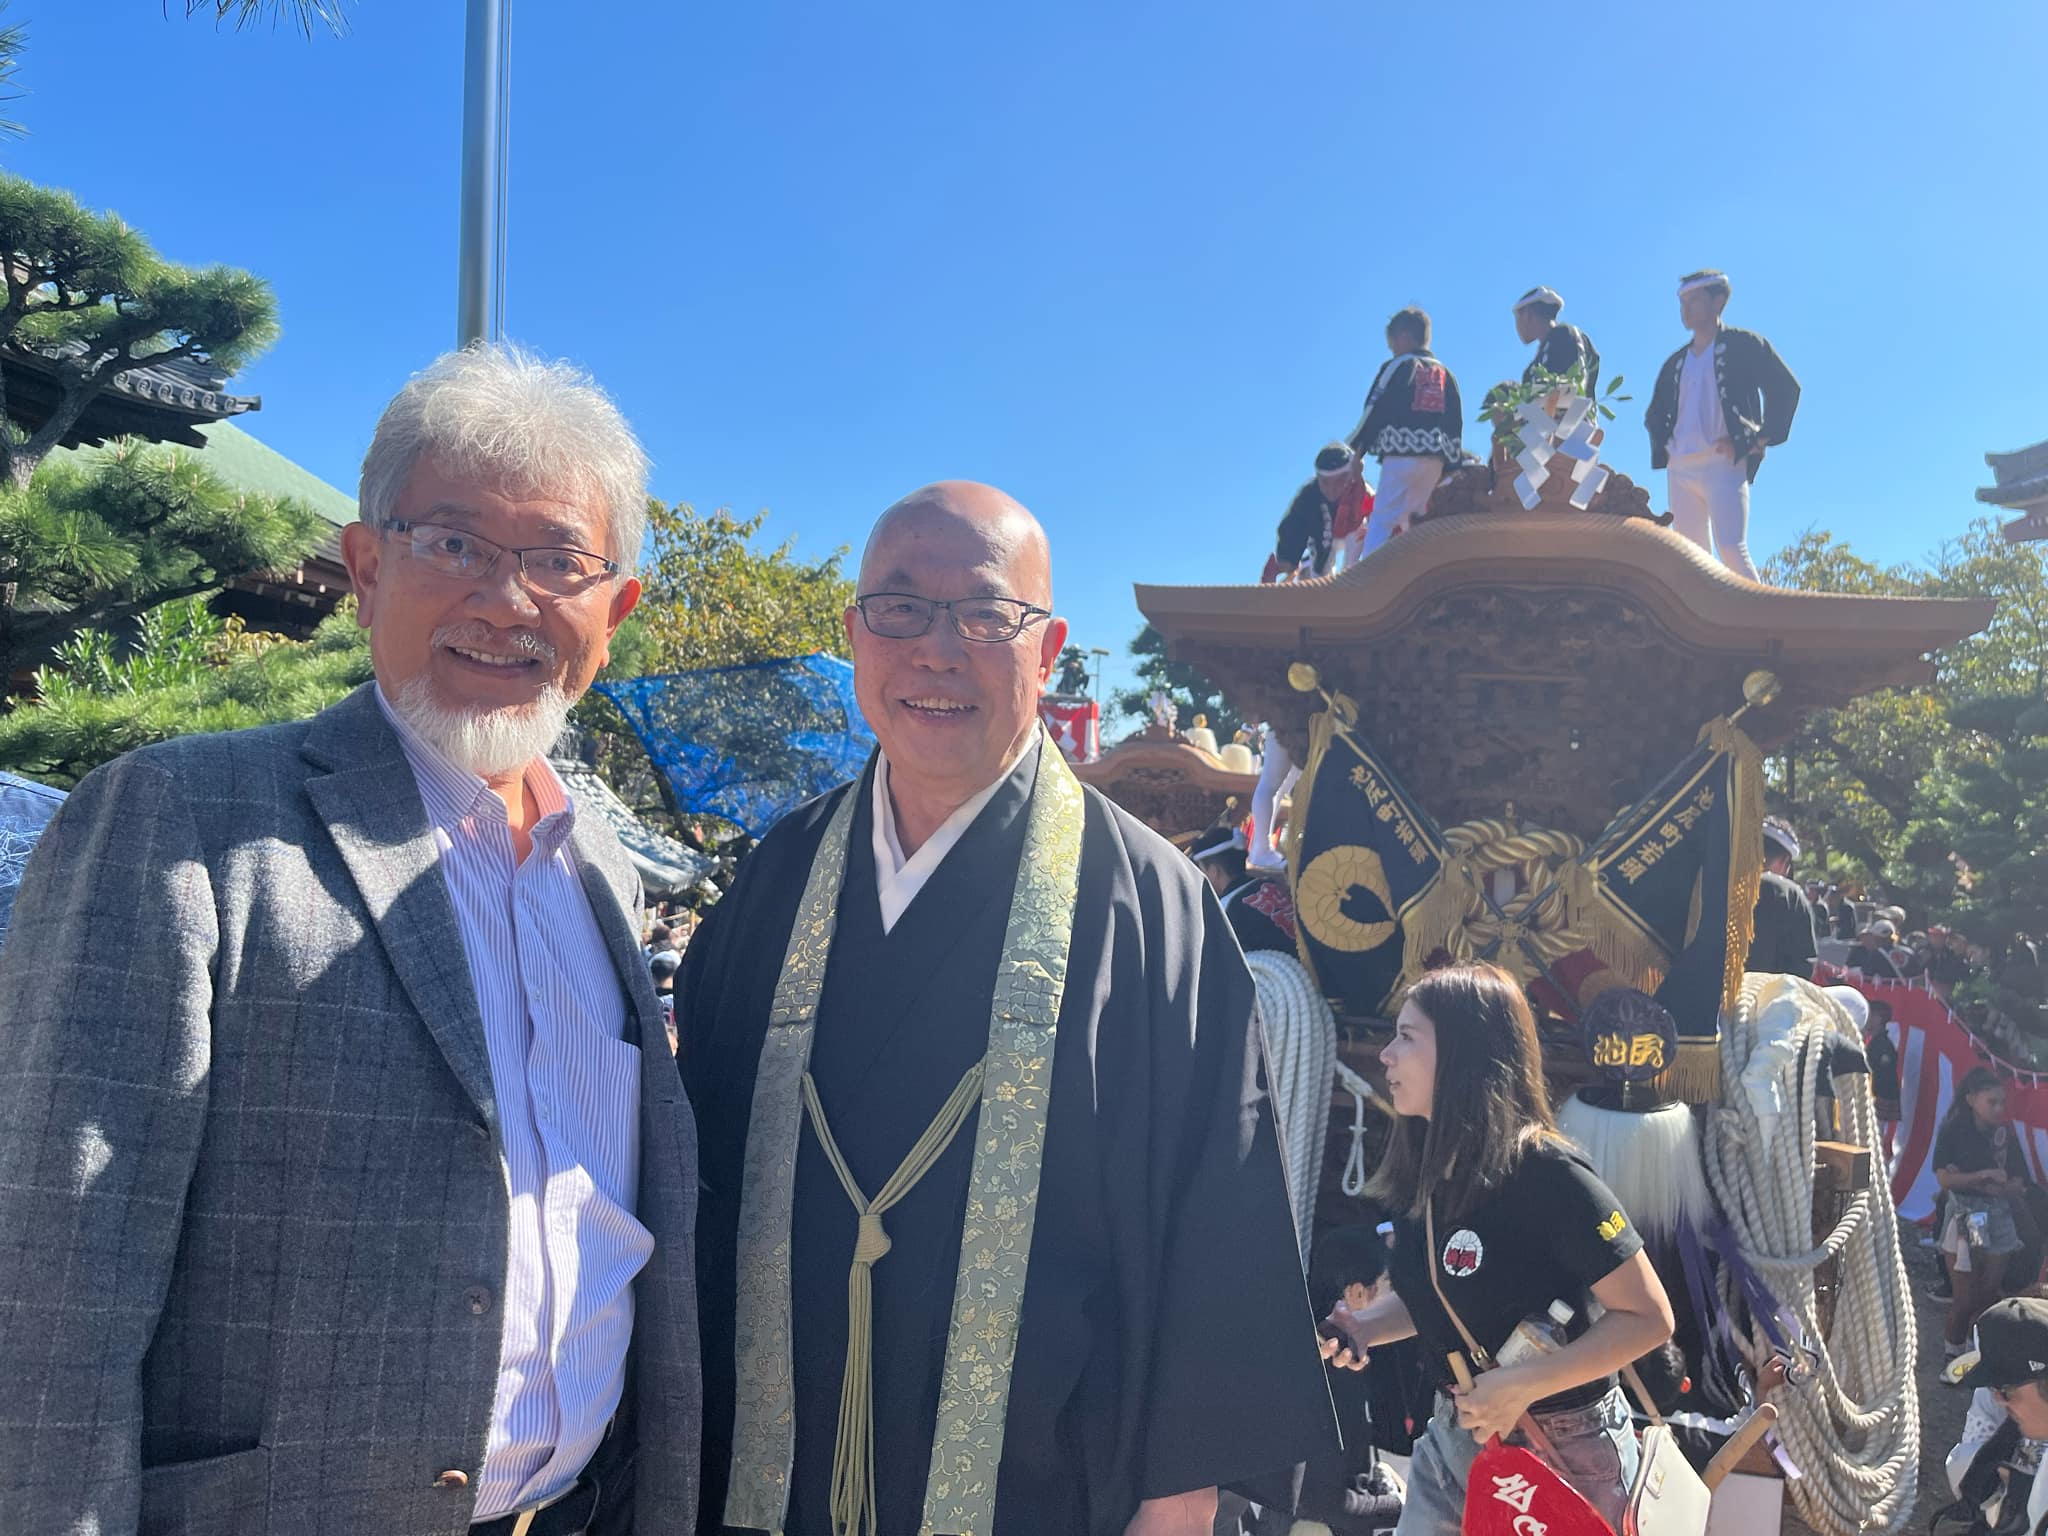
x: 1548, y: 1232
x: 1967, y: 1147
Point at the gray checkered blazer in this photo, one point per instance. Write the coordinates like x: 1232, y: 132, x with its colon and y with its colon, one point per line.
x: 252, y: 1206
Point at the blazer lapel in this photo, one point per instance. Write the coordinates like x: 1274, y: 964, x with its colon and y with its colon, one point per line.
x: 371, y: 805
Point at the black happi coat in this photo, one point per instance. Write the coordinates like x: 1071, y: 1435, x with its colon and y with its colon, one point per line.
x: 1412, y: 410
x: 1759, y: 396
x: 1166, y: 1341
x: 1306, y: 531
x: 1783, y: 944
x: 1562, y: 346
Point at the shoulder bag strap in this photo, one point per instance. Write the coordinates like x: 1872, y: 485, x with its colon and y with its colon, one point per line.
x: 1482, y: 1360
x: 1635, y: 1385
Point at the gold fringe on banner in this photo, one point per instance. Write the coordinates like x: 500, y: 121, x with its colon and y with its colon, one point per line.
x: 1696, y: 1076
x: 1435, y: 916
x: 1319, y: 732
x: 1620, y: 943
x: 1745, y: 855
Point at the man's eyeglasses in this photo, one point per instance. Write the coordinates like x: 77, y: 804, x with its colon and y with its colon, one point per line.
x: 989, y: 620
x: 558, y: 570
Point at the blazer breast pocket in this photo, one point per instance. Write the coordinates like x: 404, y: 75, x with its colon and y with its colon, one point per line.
x: 213, y: 1496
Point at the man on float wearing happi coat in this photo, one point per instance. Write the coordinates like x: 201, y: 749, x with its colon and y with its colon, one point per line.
x: 1720, y: 401
x: 1414, y: 424
x: 1559, y: 347
x: 1323, y: 528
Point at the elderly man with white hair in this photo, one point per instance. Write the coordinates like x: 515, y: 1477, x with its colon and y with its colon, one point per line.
x: 353, y: 1191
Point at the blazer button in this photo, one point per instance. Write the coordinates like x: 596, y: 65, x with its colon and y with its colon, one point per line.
x: 452, y: 1478
x: 477, y: 1299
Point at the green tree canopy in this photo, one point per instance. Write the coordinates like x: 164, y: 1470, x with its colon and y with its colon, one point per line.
x: 1899, y: 785
x: 96, y: 542
x: 714, y: 598
x: 1188, y: 686
x: 89, y: 292
x: 185, y: 671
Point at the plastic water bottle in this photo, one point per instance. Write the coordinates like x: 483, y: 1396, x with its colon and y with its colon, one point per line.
x: 1536, y: 1336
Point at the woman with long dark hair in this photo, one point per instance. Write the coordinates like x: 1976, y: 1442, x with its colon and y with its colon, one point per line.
x: 1499, y: 1217
x: 1980, y: 1169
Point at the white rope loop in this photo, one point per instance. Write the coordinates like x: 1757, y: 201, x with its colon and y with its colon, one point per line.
x: 1854, y: 1429
x: 1301, y: 1056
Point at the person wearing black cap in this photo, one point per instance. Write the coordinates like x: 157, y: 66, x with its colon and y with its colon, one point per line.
x: 2000, y: 1453
x: 1784, y: 942
x: 1720, y: 401
x: 1326, y: 516
x: 1219, y: 854
x: 1560, y: 347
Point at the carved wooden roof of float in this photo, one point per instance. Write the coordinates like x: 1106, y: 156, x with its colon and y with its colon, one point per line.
x: 1560, y: 660
x: 1175, y: 787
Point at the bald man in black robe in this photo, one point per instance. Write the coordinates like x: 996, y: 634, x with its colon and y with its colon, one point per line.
x: 1164, y: 1343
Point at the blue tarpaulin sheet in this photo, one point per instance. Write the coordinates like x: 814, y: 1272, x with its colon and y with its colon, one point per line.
x: 749, y: 743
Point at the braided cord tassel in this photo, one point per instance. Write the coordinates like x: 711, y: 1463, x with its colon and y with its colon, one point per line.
x: 853, y: 1450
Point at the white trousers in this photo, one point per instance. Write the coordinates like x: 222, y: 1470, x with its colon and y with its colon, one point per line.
x: 1277, y: 775
x: 1710, y: 496
x: 1406, y: 482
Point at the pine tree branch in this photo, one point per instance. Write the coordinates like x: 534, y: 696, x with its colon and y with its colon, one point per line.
x: 35, y: 630
x: 86, y: 385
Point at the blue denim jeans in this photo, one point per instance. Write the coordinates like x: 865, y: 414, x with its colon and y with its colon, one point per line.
x: 1596, y: 1453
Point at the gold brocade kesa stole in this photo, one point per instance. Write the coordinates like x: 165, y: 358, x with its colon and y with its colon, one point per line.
x: 1002, y: 1194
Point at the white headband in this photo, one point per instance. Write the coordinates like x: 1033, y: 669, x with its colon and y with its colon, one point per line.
x: 1694, y: 284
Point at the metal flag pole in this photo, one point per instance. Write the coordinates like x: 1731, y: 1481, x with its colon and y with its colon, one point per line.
x: 482, y: 144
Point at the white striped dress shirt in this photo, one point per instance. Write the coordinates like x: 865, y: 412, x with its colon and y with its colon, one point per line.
x: 567, y: 1085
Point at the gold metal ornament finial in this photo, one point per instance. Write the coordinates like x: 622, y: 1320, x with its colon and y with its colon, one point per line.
x: 1761, y: 687
x: 1302, y: 678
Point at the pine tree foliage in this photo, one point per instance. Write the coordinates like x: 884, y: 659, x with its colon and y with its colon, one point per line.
x: 97, y: 541
x: 88, y: 291
x: 187, y: 671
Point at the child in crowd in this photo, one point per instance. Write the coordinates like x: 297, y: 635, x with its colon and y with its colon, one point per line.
x: 1984, y: 1177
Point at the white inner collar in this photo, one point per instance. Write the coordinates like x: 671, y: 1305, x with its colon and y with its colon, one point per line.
x: 898, y: 878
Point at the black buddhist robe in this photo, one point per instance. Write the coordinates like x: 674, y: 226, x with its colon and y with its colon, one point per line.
x: 1166, y: 1342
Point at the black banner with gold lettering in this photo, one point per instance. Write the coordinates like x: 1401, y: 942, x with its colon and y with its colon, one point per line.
x: 1361, y: 853
x: 1674, y: 892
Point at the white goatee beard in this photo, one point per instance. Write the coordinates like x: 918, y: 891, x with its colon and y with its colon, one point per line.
x: 489, y: 743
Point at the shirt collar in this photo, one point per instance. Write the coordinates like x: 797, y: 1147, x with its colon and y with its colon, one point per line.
x: 890, y: 859
x: 453, y: 795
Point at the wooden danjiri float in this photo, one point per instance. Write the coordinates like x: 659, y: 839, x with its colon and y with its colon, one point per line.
x: 1532, y: 732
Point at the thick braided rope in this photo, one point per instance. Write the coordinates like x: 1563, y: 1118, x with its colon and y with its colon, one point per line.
x: 1301, y: 1047
x: 1540, y: 911
x: 1854, y: 1429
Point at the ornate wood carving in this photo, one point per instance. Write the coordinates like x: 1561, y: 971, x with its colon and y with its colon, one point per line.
x: 1175, y: 787
x: 1490, y: 489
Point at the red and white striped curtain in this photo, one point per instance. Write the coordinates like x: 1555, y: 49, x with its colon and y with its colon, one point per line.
x: 1936, y: 1050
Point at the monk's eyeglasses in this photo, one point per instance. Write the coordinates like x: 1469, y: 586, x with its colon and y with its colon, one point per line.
x: 988, y: 620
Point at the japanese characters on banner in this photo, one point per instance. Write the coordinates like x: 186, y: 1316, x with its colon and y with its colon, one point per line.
x: 1075, y: 722
x: 1936, y: 1049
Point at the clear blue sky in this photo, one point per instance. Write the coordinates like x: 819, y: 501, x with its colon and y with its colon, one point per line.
x: 1130, y: 261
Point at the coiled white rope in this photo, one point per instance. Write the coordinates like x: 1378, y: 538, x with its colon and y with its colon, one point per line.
x: 1301, y: 1050
x: 1853, y: 1429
